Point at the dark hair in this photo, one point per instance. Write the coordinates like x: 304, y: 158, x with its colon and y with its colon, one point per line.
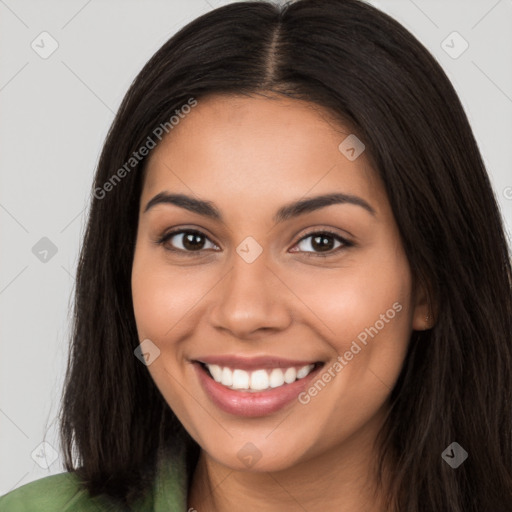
x: 369, y: 72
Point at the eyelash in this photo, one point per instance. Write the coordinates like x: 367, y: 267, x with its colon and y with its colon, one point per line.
x: 167, y: 236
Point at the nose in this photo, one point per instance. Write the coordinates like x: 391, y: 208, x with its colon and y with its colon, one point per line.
x: 251, y: 300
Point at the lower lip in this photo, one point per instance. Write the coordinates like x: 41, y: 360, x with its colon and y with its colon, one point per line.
x: 252, y: 404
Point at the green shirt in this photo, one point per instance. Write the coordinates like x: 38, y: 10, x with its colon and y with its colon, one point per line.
x: 63, y: 493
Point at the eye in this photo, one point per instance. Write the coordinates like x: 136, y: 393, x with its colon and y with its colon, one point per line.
x: 185, y: 241
x: 190, y: 241
x: 322, y: 241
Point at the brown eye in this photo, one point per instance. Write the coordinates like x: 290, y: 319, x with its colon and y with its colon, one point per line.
x: 322, y: 242
x: 185, y: 241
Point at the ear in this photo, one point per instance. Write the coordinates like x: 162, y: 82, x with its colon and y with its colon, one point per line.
x: 424, y: 316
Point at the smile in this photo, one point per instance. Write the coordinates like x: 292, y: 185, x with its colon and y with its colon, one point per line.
x: 253, y: 387
x: 258, y: 380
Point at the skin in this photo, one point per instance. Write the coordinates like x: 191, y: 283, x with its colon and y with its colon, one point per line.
x: 250, y: 156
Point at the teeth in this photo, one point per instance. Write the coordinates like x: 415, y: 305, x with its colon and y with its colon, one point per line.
x: 303, y: 372
x: 257, y: 380
x: 276, y: 378
x: 216, y: 372
x: 226, y: 377
x: 240, y: 379
x: 290, y: 375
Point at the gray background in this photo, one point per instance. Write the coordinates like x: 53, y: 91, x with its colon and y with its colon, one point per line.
x: 55, y: 115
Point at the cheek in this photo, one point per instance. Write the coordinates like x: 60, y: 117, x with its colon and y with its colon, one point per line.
x: 364, y: 312
x: 161, y: 298
x: 159, y: 311
x: 150, y: 303
x: 350, y: 300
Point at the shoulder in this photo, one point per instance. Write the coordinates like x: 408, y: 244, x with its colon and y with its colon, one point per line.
x: 61, y: 492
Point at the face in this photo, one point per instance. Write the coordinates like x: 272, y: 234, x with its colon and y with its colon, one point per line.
x: 264, y: 295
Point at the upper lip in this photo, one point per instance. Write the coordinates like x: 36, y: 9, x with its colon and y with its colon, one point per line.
x: 254, y: 363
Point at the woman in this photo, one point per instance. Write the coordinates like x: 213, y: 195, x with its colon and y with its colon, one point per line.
x: 294, y: 291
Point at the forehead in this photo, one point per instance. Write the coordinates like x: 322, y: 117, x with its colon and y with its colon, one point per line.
x: 255, y: 147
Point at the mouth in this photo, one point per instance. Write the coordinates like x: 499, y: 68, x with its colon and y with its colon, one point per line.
x: 261, y: 379
x: 256, y: 391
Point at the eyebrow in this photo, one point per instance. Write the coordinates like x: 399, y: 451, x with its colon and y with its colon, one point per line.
x: 286, y: 212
